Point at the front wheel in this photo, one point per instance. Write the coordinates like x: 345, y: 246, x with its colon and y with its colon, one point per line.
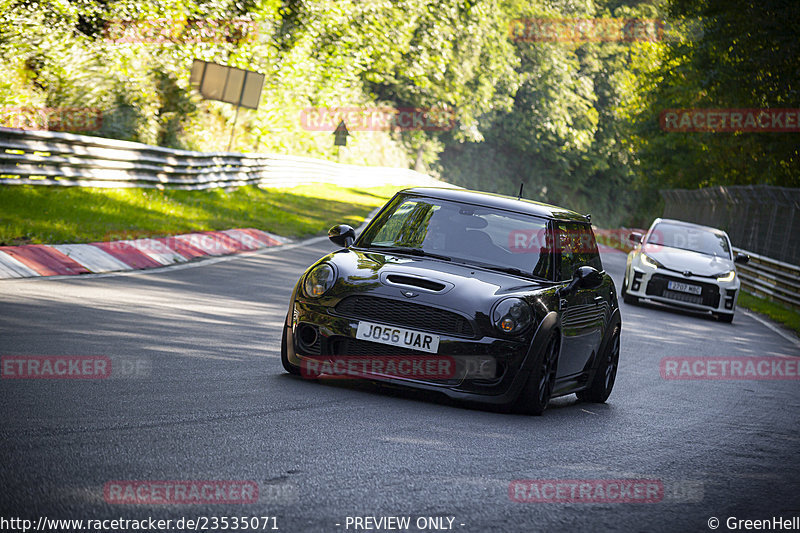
x: 538, y: 389
x: 725, y: 317
x: 627, y: 298
x: 630, y: 299
x: 603, y: 382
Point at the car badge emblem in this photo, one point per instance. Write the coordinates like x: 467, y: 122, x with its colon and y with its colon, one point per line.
x: 409, y: 294
x: 687, y: 273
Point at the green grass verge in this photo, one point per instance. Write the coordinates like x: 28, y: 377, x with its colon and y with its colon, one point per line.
x: 53, y: 215
x: 775, y: 311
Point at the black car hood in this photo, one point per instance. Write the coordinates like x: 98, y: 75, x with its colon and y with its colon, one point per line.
x: 425, y: 280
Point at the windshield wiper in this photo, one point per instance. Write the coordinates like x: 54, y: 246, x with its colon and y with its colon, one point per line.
x: 411, y: 251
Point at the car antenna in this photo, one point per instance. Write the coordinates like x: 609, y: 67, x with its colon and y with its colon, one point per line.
x: 521, y: 184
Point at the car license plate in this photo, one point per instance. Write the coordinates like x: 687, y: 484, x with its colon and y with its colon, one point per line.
x: 405, y: 338
x: 684, y: 287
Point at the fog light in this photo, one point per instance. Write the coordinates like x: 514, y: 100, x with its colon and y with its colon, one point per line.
x: 308, y: 339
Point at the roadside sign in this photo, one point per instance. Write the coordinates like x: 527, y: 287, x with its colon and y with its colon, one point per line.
x: 233, y: 85
x: 340, y: 134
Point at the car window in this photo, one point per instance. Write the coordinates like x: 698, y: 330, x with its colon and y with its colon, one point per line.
x: 406, y: 225
x: 689, y: 238
x: 577, y: 247
x: 465, y: 232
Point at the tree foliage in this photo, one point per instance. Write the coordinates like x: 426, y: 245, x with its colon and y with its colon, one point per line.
x: 746, y: 56
x: 576, y: 121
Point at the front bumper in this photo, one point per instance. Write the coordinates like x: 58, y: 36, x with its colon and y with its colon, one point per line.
x: 335, y: 336
x: 653, y: 283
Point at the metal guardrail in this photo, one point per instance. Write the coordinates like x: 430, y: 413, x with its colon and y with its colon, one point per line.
x: 70, y: 160
x: 770, y: 279
x: 760, y: 218
x: 763, y: 220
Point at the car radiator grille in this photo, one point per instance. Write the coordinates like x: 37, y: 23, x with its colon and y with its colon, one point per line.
x: 349, y: 347
x: 340, y: 346
x: 657, y: 286
x: 405, y: 314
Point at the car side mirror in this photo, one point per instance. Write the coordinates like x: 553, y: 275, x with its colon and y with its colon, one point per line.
x: 742, y: 259
x: 342, y: 235
x: 635, y: 237
x: 585, y: 277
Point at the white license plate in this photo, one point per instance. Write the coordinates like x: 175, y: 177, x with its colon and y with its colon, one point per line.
x: 405, y: 338
x: 685, y: 287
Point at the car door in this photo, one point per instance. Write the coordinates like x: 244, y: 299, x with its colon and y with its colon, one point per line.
x: 582, y: 310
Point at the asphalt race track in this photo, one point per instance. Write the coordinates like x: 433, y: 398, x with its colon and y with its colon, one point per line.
x: 198, y: 393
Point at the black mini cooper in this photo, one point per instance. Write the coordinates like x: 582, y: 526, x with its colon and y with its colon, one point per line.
x: 482, y: 297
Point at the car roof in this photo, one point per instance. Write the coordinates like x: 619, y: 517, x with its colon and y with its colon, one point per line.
x: 508, y: 203
x: 688, y: 224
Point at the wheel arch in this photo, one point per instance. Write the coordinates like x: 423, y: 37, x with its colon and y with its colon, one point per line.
x: 613, y: 322
x: 550, y: 324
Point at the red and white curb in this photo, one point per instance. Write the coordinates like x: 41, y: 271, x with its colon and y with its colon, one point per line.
x: 99, y: 257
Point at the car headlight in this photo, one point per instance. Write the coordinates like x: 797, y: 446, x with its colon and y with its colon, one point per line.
x: 728, y: 276
x: 649, y: 261
x: 319, y: 280
x: 512, y: 315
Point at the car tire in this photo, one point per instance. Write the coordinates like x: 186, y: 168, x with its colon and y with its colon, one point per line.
x: 538, y: 389
x: 630, y: 299
x: 606, y: 374
x: 624, y: 290
x: 725, y: 317
x: 288, y: 366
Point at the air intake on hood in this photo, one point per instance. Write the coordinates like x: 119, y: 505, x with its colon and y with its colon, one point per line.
x: 420, y: 283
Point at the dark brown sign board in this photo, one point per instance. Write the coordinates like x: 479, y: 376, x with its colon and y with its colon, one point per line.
x: 227, y: 84
x: 340, y: 135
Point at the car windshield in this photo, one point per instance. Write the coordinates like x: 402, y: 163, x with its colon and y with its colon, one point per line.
x: 477, y: 235
x: 689, y: 238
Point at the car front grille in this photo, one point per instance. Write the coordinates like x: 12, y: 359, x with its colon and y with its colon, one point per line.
x: 405, y: 314
x: 349, y: 347
x: 657, y: 286
x: 346, y: 346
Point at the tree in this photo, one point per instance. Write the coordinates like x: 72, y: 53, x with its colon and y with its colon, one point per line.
x: 747, y: 56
